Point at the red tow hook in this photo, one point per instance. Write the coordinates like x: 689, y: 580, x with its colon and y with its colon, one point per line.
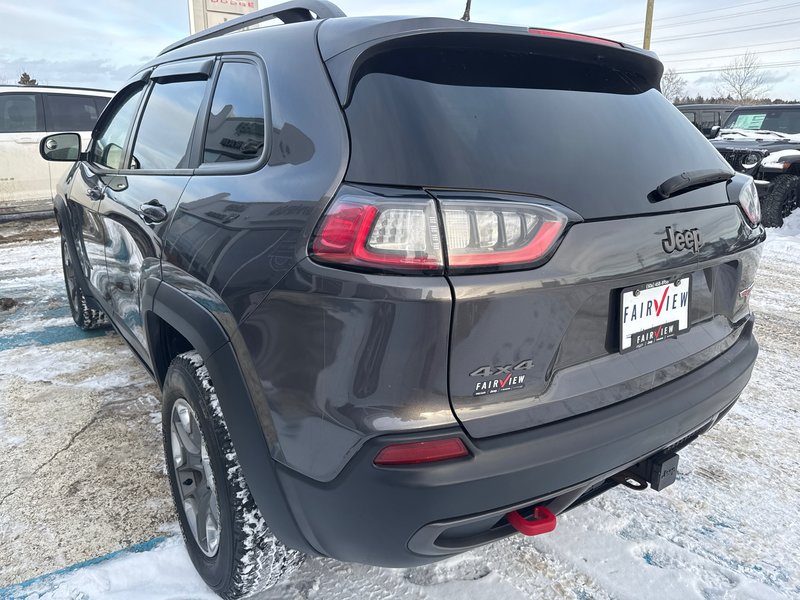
x: 544, y: 521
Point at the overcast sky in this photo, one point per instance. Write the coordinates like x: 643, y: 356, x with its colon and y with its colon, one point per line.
x: 100, y: 44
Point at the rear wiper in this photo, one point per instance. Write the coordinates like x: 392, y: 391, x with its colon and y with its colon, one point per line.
x: 689, y: 180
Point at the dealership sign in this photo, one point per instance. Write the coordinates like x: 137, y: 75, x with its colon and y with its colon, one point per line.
x: 207, y: 13
x: 233, y: 7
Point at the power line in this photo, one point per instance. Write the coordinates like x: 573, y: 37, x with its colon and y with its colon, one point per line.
x: 727, y: 48
x: 729, y: 30
x: 695, y: 21
x: 782, y: 65
x: 673, y: 17
x: 674, y: 60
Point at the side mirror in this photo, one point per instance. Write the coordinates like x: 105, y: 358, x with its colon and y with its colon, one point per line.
x: 62, y: 147
x: 714, y: 132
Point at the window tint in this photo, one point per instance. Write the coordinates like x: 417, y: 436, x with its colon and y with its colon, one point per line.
x: 168, y: 121
x: 64, y: 112
x: 100, y: 103
x: 109, y: 145
x: 485, y: 119
x: 18, y: 113
x: 236, y: 124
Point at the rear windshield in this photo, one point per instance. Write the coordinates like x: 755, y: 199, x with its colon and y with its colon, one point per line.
x: 594, y: 138
x: 783, y: 121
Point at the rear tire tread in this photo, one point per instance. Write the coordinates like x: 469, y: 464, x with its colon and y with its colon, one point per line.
x: 261, y: 559
x: 780, y: 203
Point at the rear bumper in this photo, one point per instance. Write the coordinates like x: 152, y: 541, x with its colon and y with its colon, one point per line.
x: 405, y: 516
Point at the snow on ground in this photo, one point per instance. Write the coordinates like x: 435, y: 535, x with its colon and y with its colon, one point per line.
x: 728, y: 528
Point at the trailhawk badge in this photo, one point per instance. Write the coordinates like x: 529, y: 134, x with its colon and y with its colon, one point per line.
x: 497, y: 379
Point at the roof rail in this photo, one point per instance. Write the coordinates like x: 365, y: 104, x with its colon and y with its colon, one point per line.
x: 289, y: 12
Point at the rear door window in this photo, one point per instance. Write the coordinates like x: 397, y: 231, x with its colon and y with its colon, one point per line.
x: 164, y: 138
x: 68, y: 112
x: 20, y: 113
x: 236, y: 124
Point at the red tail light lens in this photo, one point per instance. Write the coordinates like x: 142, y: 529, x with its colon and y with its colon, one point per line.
x: 404, y: 236
x: 565, y: 35
x: 359, y: 233
x: 421, y: 452
x: 484, y: 234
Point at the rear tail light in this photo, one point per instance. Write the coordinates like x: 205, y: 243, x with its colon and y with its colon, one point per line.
x: 748, y: 201
x: 359, y: 233
x: 494, y: 234
x: 421, y: 452
x: 375, y: 234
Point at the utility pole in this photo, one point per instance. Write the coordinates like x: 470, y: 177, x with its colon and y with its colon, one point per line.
x: 648, y: 24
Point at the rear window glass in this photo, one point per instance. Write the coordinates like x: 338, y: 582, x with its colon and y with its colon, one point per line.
x: 589, y: 136
x: 783, y: 121
x: 236, y: 124
x: 65, y: 112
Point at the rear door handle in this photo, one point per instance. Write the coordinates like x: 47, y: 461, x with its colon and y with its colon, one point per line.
x: 153, y: 212
x: 26, y: 140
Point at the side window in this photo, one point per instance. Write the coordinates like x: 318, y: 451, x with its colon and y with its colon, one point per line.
x: 236, y: 124
x: 18, y: 113
x: 165, y: 132
x: 65, y: 112
x: 100, y: 103
x: 109, y: 144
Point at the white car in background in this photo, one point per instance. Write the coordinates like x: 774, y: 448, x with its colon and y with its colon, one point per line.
x: 27, y: 114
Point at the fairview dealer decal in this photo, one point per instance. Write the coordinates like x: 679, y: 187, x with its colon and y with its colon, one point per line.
x: 495, y: 379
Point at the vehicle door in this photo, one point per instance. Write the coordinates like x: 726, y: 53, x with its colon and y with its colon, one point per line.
x: 74, y: 113
x: 135, y: 211
x: 90, y: 179
x: 24, y: 175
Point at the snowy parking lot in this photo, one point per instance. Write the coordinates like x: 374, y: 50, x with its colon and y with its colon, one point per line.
x: 82, y: 477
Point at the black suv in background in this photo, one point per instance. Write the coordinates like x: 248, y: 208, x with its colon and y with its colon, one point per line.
x: 707, y: 117
x: 389, y: 322
x: 764, y: 142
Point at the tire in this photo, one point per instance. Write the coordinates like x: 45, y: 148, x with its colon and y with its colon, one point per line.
x: 86, y: 318
x: 781, y: 201
x: 242, y: 557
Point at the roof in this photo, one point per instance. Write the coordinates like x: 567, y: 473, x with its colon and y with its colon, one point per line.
x: 708, y: 106
x: 770, y: 107
x: 54, y: 88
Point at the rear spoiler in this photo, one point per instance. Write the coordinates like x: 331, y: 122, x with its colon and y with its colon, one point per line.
x: 346, y: 43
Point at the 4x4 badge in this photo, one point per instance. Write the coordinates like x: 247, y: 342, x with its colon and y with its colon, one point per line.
x: 500, y: 378
x: 688, y: 239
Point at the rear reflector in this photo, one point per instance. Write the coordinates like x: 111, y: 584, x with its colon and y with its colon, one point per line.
x: 565, y: 35
x: 421, y: 452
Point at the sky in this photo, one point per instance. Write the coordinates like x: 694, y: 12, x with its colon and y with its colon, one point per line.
x: 100, y: 44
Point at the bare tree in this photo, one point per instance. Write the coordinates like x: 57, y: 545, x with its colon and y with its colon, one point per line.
x: 25, y: 79
x: 466, y: 11
x: 743, y: 79
x: 672, y: 85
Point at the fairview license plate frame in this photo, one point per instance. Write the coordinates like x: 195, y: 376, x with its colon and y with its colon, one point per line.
x: 652, y: 312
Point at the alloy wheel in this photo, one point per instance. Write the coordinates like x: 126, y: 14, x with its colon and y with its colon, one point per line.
x: 195, y: 480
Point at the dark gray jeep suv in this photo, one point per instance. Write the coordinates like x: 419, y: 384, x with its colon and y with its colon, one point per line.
x: 409, y: 285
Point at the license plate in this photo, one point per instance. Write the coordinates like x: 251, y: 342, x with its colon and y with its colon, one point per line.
x: 653, y: 312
